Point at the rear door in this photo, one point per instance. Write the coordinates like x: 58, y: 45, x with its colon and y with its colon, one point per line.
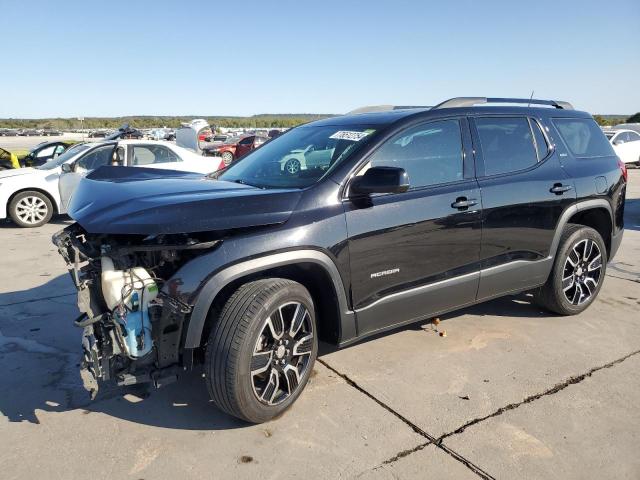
x: 416, y: 253
x: 524, y: 193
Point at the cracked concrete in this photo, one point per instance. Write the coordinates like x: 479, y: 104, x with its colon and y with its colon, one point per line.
x: 511, y: 392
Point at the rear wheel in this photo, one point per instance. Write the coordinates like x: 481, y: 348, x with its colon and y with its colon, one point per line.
x: 578, y: 271
x: 30, y: 209
x: 261, y: 349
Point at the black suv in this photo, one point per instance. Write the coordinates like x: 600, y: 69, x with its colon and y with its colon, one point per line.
x: 392, y: 217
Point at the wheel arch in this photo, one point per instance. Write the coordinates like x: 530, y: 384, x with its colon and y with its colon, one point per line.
x: 312, y: 268
x: 54, y: 203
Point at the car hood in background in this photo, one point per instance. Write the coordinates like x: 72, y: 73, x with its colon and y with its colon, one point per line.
x: 145, y: 201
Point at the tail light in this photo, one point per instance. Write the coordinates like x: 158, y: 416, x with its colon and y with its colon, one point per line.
x: 623, y: 167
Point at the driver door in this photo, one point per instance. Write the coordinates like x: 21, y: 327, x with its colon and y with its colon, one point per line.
x: 93, y: 159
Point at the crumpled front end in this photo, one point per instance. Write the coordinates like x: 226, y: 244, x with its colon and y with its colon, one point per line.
x: 132, y: 329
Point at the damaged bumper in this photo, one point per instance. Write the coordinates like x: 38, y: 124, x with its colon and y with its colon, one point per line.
x: 131, y: 332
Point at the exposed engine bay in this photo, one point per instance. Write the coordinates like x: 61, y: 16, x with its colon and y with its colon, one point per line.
x: 131, y: 327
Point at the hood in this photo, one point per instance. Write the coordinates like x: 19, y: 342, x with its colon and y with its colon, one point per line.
x: 15, y: 172
x: 147, y: 201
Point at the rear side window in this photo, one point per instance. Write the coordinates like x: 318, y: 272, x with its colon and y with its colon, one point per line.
x: 583, y: 137
x: 507, y: 144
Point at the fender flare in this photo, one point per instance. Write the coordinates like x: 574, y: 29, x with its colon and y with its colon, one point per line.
x: 571, y: 211
x: 215, y: 284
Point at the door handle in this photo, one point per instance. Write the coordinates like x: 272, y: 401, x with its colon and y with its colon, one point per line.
x: 559, y: 189
x: 462, y: 203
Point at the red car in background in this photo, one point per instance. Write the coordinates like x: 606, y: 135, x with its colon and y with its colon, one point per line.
x: 234, y: 148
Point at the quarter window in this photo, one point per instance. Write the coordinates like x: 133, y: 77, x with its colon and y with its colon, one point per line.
x: 430, y: 153
x: 507, y: 144
x: 542, y: 148
x: 583, y: 137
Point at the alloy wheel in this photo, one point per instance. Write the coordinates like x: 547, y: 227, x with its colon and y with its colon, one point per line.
x: 582, y: 272
x: 292, y: 166
x: 31, y: 210
x: 282, y: 354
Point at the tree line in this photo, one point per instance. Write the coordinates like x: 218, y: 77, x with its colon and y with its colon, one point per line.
x: 285, y: 120
x: 145, y: 121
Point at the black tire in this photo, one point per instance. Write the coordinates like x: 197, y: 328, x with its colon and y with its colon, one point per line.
x: 42, y: 209
x: 239, y: 331
x: 552, y: 294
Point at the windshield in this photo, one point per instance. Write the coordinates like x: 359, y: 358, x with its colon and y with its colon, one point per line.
x: 299, y: 158
x: 70, y: 153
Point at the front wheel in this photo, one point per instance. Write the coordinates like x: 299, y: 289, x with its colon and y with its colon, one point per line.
x: 261, y: 349
x: 578, y: 271
x: 30, y: 209
x: 227, y: 158
x: 292, y: 166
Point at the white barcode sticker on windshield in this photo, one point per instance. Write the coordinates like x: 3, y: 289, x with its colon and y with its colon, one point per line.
x: 349, y: 135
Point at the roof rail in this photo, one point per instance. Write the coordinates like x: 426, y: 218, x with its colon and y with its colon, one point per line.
x: 471, y: 101
x: 383, y: 108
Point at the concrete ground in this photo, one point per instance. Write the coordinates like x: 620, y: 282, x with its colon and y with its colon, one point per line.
x: 510, y: 392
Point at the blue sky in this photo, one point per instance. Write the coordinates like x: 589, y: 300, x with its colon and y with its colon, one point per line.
x: 70, y: 58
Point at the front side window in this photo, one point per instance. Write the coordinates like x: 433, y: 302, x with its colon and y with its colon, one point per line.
x: 96, y: 158
x: 298, y: 158
x: 152, y: 154
x: 507, y: 144
x: 430, y: 153
x: 583, y: 137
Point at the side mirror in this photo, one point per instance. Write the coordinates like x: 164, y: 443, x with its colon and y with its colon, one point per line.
x: 618, y: 142
x: 67, y: 167
x: 380, y: 180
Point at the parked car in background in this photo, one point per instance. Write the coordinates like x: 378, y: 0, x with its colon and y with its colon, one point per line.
x: 28, y: 132
x: 312, y: 156
x: 51, y: 133
x: 8, y: 160
x: 218, y: 138
x: 30, y: 196
x: 44, y: 152
x: 626, y: 144
x: 8, y: 132
x: 98, y: 134
x: 234, y: 148
x: 274, y: 133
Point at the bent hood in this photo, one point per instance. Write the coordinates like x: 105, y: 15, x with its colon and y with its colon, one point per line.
x: 147, y: 201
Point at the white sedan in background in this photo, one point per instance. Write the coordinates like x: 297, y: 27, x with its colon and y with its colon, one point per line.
x: 30, y: 196
x: 626, y: 144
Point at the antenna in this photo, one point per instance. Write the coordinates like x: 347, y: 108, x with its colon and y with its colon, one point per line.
x: 530, y: 98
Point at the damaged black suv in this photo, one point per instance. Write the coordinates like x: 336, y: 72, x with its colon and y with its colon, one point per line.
x: 337, y: 230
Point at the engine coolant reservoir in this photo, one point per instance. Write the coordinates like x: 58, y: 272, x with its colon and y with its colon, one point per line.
x: 135, y: 289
